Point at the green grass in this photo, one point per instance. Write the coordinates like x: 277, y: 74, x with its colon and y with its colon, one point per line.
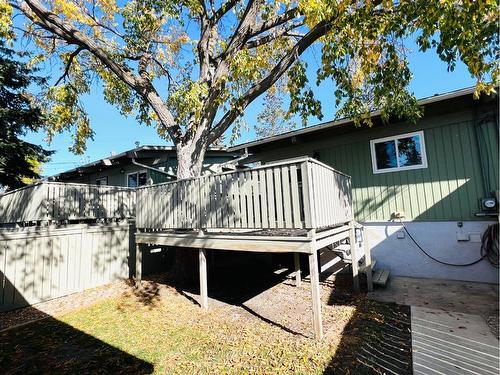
x: 174, y: 336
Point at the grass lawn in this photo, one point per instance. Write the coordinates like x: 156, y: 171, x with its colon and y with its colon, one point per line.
x: 172, y: 335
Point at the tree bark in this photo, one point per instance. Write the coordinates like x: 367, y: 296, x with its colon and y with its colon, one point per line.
x: 189, y: 164
x: 189, y: 160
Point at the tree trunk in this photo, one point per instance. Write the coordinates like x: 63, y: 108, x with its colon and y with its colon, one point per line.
x: 189, y: 164
x: 189, y: 160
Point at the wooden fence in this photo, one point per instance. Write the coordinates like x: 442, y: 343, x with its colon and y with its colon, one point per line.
x: 54, y: 201
x: 41, y: 263
x: 295, y: 193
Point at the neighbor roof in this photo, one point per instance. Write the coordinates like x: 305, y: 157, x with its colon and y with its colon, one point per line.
x: 331, y: 124
x: 129, y: 154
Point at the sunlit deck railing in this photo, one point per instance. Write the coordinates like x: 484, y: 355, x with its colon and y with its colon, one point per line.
x: 295, y: 193
x: 55, y: 201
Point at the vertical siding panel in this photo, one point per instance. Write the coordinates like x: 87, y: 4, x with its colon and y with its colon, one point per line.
x: 441, y: 174
x: 474, y: 155
x: 428, y: 184
x: 448, y: 173
x: 461, y: 174
x: 433, y: 175
x: 492, y: 136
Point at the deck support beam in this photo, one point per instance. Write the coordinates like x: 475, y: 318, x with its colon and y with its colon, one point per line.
x: 138, y: 263
x: 368, y: 261
x: 298, y: 277
x: 354, y: 258
x: 316, y: 295
x: 203, y: 279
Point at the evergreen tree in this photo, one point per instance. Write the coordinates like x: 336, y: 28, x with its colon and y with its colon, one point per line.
x: 19, y: 160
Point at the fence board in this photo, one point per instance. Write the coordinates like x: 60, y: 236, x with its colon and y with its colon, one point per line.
x: 38, y: 264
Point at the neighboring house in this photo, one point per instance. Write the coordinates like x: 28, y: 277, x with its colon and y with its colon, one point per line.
x: 140, y: 166
x: 436, y: 174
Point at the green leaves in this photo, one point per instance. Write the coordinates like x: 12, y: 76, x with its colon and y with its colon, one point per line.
x: 187, y: 102
x: 302, y: 100
x: 66, y: 112
x: 192, y: 67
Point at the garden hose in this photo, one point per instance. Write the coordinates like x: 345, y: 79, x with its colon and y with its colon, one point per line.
x: 489, y: 247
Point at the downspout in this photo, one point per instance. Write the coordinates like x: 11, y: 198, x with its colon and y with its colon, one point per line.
x: 235, y: 161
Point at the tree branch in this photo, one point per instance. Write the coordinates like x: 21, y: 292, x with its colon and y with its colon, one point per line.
x: 226, y: 7
x: 51, y: 22
x: 283, y: 31
x: 68, y: 64
x: 274, y: 22
x: 265, y: 83
x: 243, y: 30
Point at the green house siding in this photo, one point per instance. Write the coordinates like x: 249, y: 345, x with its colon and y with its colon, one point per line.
x: 450, y: 187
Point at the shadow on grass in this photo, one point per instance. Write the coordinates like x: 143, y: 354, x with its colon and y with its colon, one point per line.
x: 49, y: 346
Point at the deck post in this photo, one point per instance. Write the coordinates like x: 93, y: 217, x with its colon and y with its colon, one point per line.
x: 203, y: 279
x: 298, y: 278
x: 315, y: 294
x: 138, y: 263
x: 354, y: 258
x: 368, y: 260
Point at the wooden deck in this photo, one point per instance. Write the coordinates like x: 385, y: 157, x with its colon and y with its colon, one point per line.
x: 56, y: 202
x: 292, y: 206
x: 271, y: 241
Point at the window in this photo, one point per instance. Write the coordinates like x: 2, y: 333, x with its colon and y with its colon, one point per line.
x: 398, y: 153
x: 137, y: 179
x: 102, y: 181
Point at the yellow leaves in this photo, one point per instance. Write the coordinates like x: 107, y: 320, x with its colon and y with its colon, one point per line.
x: 188, y: 102
x: 109, y: 8
x: 71, y: 11
x: 5, y: 20
x: 63, y: 112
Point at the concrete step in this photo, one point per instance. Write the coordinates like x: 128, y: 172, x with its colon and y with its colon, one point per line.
x: 380, y: 277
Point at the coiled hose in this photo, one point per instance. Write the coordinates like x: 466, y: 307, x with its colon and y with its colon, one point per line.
x: 489, y: 245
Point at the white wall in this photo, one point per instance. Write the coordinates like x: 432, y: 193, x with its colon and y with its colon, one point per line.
x: 440, y: 239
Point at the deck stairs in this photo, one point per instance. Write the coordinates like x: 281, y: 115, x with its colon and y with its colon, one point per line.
x: 343, y: 251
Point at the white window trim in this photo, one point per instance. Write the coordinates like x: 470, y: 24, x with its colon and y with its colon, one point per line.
x: 398, y: 168
x: 137, y: 173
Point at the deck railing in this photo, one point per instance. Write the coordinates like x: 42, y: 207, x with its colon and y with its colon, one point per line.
x: 55, y: 201
x: 295, y: 193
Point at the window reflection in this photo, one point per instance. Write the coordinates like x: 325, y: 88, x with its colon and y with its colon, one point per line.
x: 386, y: 154
x: 410, y: 152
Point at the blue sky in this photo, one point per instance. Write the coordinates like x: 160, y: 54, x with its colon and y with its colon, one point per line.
x: 114, y: 133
